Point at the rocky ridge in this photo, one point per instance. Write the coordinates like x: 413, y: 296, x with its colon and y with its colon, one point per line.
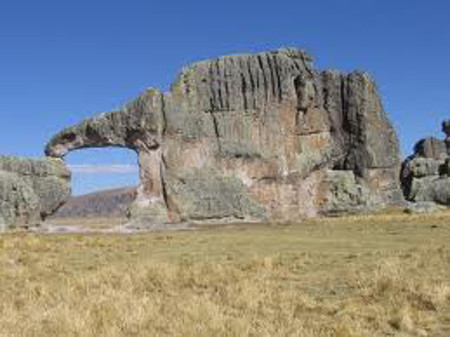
x: 251, y: 138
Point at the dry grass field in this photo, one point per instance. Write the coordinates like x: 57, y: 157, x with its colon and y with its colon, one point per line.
x: 380, y: 275
x: 92, y: 223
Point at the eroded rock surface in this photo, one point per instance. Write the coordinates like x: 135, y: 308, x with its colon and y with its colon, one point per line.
x: 253, y: 137
x: 31, y: 189
x: 426, y: 174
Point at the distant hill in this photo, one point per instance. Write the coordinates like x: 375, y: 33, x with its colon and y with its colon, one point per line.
x: 108, y: 203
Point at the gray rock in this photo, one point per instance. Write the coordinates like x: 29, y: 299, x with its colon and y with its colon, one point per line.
x: 431, y: 148
x: 346, y: 194
x: 425, y: 175
x: 18, y: 201
x: 441, y: 191
x: 203, y: 194
x: 2, y: 224
x: 250, y: 136
x: 150, y: 212
x: 31, y: 189
x: 422, y: 207
x: 423, y: 167
x: 425, y: 189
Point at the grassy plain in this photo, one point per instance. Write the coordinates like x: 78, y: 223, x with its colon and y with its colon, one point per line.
x: 380, y: 275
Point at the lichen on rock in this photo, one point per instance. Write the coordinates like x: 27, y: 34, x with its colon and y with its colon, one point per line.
x: 31, y: 189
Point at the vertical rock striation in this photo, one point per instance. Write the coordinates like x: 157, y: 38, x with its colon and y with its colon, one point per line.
x: 252, y: 137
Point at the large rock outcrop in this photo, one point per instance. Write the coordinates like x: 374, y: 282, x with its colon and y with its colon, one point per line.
x: 31, y: 189
x: 426, y: 174
x: 252, y: 137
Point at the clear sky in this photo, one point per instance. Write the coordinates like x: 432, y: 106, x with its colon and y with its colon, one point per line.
x: 62, y: 61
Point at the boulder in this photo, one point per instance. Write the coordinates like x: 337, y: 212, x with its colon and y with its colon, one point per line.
x: 423, y: 167
x: 344, y: 194
x: 2, y: 224
x: 432, y: 188
x: 31, y: 189
x: 425, y: 175
x: 431, y: 148
x: 424, y: 207
x: 251, y: 138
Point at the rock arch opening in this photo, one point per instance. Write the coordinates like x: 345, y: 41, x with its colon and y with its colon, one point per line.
x: 104, y: 182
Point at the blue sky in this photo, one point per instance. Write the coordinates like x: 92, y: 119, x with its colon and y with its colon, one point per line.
x: 62, y: 61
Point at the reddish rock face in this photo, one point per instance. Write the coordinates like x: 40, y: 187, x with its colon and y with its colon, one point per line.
x: 253, y: 137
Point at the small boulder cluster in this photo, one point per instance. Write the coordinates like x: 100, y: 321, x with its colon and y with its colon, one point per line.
x: 425, y: 175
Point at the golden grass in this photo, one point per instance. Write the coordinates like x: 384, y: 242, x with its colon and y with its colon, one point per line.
x: 381, y: 275
x: 89, y: 222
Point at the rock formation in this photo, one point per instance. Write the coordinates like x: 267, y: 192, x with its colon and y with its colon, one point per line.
x: 426, y: 174
x: 31, y: 189
x: 252, y: 137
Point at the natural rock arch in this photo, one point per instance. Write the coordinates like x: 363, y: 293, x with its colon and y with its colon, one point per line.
x: 253, y: 137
